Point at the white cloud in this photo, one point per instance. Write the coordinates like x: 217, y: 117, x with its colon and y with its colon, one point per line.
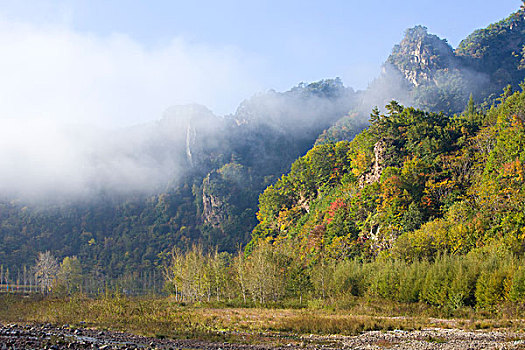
x: 58, y: 74
x: 60, y: 89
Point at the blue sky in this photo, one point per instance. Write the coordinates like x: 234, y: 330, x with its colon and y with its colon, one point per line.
x: 123, y: 62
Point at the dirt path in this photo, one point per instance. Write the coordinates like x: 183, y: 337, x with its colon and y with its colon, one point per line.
x: 57, y: 338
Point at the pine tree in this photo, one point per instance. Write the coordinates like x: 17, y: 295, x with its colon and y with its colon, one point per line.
x: 471, y: 106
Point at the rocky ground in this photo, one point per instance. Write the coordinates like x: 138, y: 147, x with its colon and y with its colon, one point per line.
x: 435, y: 338
x: 15, y: 336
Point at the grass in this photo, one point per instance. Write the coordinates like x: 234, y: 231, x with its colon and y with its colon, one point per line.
x: 162, y: 317
x: 346, y: 324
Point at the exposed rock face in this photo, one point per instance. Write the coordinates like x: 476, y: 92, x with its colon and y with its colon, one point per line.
x: 377, y: 168
x: 420, y: 55
x: 304, y: 203
x: 191, y: 135
x: 195, y: 128
x: 213, y: 211
x: 441, y: 79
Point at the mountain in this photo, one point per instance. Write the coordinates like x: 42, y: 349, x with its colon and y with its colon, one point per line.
x: 417, y: 182
x: 441, y: 79
x: 189, y: 177
x: 194, y: 177
x: 412, y: 186
x: 498, y: 51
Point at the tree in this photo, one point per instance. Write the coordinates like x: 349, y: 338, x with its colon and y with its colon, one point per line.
x: 239, y: 270
x: 471, y: 106
x: 265, y: 273
x: 189, y: 274
x: 218, y: 266
x: 46, y: 269
x: 69, y: 277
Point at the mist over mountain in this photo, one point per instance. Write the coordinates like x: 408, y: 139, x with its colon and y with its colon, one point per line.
x: 191, y: 176
x: 121, y: 198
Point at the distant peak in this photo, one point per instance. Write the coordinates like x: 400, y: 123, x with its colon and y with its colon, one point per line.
x: 420, y: 54
x: 327, y: 88
x: 188, y: 111
x: 420, y: 34
x: 418, y: 31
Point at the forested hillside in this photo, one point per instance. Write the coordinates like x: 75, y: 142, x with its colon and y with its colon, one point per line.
x: 417, y: 182
x: 420, y: 207
x: 413, y: 185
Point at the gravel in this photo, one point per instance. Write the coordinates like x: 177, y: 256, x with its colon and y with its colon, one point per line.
x: 19, y: 336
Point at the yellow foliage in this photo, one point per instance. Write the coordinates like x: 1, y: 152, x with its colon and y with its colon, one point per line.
x: 287, y: 217
x: 360, y: 163
x: 513, y: 170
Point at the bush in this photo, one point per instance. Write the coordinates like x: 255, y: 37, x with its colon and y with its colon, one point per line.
x: 437, y: 281
x: 450, y: 282
x: 348, y: 278
x: 412, y: 278
x: 384, y: 281
x: 491, y: 288
x: 517, y: 290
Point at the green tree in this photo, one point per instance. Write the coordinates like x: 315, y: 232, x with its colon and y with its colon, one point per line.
x: 69, y: 277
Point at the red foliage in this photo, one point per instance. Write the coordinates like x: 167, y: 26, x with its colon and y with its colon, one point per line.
x: 338, y: 203
x: 334, y: 207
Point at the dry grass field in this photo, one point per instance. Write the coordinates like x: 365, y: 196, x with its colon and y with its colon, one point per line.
x: 163, y: 317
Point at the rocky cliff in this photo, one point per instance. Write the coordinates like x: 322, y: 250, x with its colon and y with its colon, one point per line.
x: 442, y: 79
x: 421, y: 55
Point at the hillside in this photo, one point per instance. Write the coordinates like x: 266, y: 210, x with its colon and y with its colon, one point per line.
x: 421, y: 209
x: 413, y: 185
x: 208, y: 174
x: 194, y: 177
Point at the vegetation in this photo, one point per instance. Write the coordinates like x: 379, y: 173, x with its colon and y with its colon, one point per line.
x: 421, y: 207
x: 498, y: 50
x: 488, y: 279
x: 165, y: 318
x: 213, y: 202
x: 412, y: 186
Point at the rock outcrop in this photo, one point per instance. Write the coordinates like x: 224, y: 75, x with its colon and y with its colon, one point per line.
x: 377, y: 168
x: 421, y: 55
x: 213, y: 208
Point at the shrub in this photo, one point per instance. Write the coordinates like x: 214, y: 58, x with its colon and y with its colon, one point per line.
x: 517, y: 289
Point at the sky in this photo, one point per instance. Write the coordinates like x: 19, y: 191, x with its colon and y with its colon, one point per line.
x: 114, y: 63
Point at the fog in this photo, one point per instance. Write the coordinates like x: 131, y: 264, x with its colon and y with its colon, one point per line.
x: 60, y: 75
x: 81, y: 115
x: 389, y: 85
x: 307, y: 106
x: 68, y: 102
x: 42, y: 160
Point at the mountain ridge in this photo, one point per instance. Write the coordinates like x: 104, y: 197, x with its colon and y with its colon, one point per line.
x: 213, y: 168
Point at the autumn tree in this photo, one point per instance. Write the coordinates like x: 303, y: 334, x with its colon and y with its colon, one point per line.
x: 46, y: 269
x: 69, y: 276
